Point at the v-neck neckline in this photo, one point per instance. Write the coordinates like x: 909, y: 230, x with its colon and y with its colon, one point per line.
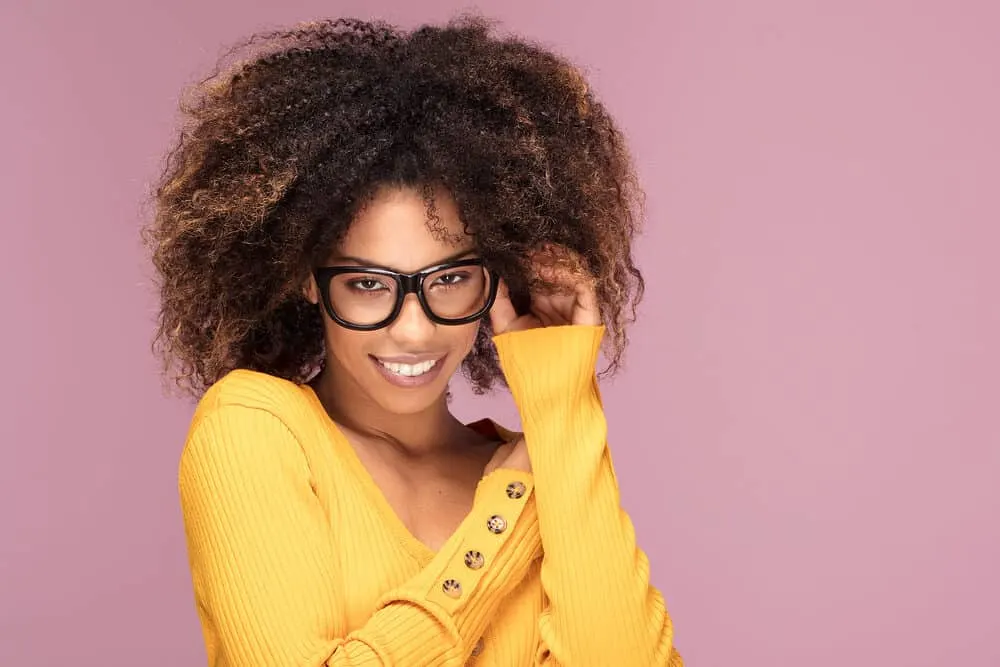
x: 422, y: 553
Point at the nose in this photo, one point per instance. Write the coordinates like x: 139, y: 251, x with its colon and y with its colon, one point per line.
x: 412, y: 326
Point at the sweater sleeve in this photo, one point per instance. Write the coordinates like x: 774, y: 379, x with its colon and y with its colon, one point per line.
x: 264, y: 563
x: 601, y: 609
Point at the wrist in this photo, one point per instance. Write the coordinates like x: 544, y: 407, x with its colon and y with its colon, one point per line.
x: 549, y: 363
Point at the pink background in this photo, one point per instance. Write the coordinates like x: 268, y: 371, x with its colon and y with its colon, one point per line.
x: 807, y: 432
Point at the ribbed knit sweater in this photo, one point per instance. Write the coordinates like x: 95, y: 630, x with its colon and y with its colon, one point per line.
x: 297, y: 558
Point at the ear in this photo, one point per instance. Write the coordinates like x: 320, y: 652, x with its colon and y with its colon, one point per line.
x: 310, y: 290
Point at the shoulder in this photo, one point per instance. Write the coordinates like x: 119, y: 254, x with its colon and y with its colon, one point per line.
x: 248, y: 423
x: 244, y: 449
x: 254, y: 390
x: 245, y: 396
x: 251, y: 389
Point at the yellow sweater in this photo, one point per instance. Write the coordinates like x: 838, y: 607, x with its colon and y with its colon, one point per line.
x: 297, y: 558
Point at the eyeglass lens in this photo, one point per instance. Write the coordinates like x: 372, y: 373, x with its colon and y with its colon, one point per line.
x: 366, y: 298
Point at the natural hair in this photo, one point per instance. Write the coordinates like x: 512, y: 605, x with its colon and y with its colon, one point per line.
x: 295, y: 129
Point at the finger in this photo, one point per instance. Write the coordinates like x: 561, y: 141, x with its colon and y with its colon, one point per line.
x: 499, y: 454
x: 545, y: 310
x: 587, y: 310
x: 502, y: 313
x: 562, y: 304
x: 543, y: 315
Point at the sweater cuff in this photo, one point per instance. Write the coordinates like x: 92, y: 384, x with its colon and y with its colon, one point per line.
x: 549, y: 362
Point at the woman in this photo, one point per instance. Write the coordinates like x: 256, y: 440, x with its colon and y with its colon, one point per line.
x: 352, y: 213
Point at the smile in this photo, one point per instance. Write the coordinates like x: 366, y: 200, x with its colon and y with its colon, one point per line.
x: 408, y: 370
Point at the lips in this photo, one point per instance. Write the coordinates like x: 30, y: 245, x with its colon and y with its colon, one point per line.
x: 409, y: 371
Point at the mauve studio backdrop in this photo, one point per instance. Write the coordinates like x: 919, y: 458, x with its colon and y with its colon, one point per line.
x: 806, y: 432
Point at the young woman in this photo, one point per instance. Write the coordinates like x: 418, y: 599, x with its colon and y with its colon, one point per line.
x: 352, y: 214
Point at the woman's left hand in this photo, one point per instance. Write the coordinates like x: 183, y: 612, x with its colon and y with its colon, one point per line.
x: 574, y: 303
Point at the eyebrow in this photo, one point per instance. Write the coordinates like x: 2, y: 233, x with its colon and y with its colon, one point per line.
x: 361, y: 261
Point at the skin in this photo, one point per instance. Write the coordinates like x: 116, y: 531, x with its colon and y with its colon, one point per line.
x: 426, y: 462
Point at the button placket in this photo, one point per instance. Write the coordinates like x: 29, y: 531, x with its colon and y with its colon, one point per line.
x: 477, y: 551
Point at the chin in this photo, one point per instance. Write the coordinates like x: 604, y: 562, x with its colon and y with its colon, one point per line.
x: 412, y: 406
x: 404, y: 402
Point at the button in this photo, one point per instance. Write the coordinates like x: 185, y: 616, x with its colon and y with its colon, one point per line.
x: 474, y: 560
x: 477, y: 650
x: 452, y: 588
x: 516, y: 489
x: 497, y: 524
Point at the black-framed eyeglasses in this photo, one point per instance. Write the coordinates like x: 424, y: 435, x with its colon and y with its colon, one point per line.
x: 365, y: 298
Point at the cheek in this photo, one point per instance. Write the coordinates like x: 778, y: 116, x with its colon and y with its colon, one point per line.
x: 464, y: 337
x: 345, y: 345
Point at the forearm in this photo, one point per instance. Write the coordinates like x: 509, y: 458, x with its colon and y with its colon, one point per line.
x: 602, y: 608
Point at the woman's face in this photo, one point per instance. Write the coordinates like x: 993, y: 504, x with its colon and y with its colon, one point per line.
x: 403, y: 367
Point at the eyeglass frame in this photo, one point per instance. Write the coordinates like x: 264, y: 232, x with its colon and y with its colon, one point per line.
x: 407, y: 283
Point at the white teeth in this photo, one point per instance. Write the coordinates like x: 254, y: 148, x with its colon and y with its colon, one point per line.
x: 409, y: 370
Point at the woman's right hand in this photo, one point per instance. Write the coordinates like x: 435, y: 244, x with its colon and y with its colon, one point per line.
x: 510, y: 455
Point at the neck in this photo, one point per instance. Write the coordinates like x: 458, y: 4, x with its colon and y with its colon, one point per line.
x: 418, y: 435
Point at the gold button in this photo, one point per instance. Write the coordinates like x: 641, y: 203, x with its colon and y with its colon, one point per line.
x: 496, y: 524
x: 478, y: 648
x: 474, y: 560
x: 516, y: 489
x: 452, y: 588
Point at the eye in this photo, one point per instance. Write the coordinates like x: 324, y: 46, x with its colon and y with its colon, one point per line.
x: 366, y: 285
x: 451, y: 279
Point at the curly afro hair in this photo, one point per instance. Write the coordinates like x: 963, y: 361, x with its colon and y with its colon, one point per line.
x: 296, y: 128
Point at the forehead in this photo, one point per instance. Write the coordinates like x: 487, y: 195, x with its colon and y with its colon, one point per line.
x: 406, y: 229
